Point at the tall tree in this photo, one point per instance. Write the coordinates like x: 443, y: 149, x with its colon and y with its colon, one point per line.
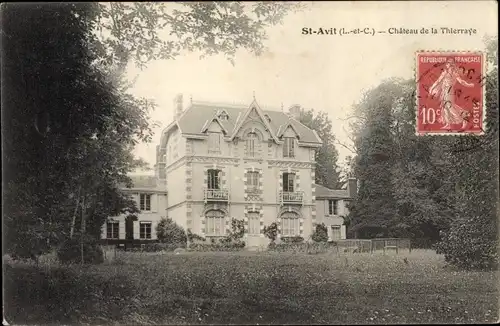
x: 327, y: 169
x: 68, y: 122
x: 472, y: 240
x: 374, y: 209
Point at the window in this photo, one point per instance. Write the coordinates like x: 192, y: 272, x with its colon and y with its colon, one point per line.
x: 213, y: 179
x: 289, y: 224
x: 332, y: 207
x: 251, y: 144
x: 215, y: 223
x: 289, y: 147
x: 253, y: 182
x: 145, y: 202
x: 253, y: 223
x: 145, y: 230
x: 336, y: 235
x: 214, y: 142
x: 112, y: 230
x: 288, y: 182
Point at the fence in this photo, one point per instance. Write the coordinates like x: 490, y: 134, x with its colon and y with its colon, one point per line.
x: 372, y: 245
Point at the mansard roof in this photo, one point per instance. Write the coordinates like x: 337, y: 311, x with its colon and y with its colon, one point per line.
x: 323, y: 192
x: 196, y: 116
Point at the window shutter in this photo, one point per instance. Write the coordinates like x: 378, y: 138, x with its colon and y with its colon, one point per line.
x: 136, y: 230
x: 342, y: 232
x: 153, y: 230
x: 154, y: 203
x: 121, y: 230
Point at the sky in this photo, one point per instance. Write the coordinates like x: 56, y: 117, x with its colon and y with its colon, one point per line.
x: 321, y: 72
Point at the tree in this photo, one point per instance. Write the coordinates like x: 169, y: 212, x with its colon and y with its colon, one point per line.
x: 271, y: 232
x: 320, y: 233
x: 134, y: 30
x: 374, y: 210
x: 472, y: 241
x: 327, y: 170
x: 69, y: 123
x: 167, y: 231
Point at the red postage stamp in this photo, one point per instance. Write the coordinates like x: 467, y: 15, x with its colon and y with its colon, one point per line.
x: 450, y: 93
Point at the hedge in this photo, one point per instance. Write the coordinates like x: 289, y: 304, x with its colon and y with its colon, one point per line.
x: 158, y: 246
x: 313, y: 248
x: 236, y: 246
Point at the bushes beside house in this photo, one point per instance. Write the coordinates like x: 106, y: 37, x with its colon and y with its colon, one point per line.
x: 217, y: 246
x: 168, y: 232
x: 297, y: 239
x: 231, y: 242
x: 302, y: 247
x: 271, y: 231
x: 193, y: 237
x: 320, y: 233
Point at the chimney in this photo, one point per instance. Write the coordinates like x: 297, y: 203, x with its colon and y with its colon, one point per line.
x: 352, y: 187
x: 294, y: 111
x: 178, y: 101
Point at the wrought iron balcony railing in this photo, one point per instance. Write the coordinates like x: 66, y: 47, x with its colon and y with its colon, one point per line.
x: 216, y: 195
x: 294, y: 197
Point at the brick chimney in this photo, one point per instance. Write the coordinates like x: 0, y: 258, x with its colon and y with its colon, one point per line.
x: 294, y: 111
x: 352, y: 187
x: 178, y: 108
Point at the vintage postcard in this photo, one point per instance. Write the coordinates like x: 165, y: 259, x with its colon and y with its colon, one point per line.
x: 253, y: 163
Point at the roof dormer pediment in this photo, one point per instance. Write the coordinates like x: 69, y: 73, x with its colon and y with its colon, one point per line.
x: 253, y: 113
x: 288, y: 130
x: 214, y: 124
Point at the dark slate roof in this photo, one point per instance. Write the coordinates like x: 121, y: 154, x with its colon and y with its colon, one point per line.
x: 197, y: 114
x: 144, y: 183
x: 324, y: 192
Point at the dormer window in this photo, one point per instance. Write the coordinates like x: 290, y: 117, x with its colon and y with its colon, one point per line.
x: 251, y: 144
x: 267, y: 117
x: 222, y: 115
x: 214, y: 141
x: 289, y: 147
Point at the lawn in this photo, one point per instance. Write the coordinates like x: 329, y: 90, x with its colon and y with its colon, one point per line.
x: 253, y: 288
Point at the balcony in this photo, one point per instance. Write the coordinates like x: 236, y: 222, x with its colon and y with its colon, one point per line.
x: 213, y: 195
x: 295, y: 197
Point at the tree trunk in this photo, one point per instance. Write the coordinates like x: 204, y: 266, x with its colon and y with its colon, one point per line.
x: 82, y: 229
x: 73, y: 220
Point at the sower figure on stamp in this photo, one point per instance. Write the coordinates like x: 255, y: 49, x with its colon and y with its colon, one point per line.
x: 443, y: 89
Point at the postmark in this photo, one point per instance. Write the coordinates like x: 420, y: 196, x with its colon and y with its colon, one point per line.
x: 450, y: 93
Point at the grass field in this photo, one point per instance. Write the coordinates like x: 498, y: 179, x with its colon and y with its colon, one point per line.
x: 253, y: 288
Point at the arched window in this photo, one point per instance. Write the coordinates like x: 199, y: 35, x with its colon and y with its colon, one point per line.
x: 215, y: 223
x: 289, y: 224
x: 252, y: 141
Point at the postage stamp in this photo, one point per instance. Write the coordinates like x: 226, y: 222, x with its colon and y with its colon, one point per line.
x: 450, y: 93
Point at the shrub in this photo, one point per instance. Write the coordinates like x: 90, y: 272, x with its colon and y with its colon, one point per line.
x: 320, y: 233
x: 157, y: 247
x: 296, y: 239
x: 70, y: 251
x: 271, y: 231
x: 167, y: 231
x: 237, y: 232
x: 234, y: 246
x: 310, y: 248
x: 471, y: 244
x: 194, y: 237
